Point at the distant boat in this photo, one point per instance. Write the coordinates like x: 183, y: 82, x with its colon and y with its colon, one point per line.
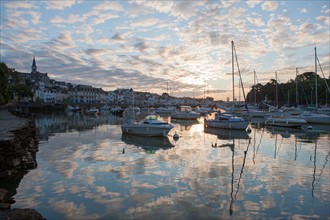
x: 285, y: 120
x: 116, y: 110
x: 165, y: 110
x: 149, y: 126
x: 315, y: 118
x: 70, y: 108
x: 185, y: 112
x: 93, y: 111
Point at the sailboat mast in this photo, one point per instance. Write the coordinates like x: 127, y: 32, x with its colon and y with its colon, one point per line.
x: 297, y: 101
x: 276, y: 90
x: 315, y: 80
x: 255, y: 92
x: 232, y: 68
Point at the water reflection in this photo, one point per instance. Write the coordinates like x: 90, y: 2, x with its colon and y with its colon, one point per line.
x: 149, y: 144
x: 227, y: 134
x: 52, y: 123
x: 206, y: 174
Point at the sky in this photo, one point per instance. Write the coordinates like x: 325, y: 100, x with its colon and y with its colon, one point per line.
x: 181, y: 47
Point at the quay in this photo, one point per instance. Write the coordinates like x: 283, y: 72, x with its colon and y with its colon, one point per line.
x: 18, y: 148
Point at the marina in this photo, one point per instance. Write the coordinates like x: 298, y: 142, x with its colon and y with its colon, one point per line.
x: 88, y: 169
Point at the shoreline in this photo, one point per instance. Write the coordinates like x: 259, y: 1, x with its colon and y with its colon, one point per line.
x: 18, y: 149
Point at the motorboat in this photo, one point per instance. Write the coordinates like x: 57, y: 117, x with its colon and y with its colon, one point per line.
x: 165, y: 110
x: 285, y: 120
x: 185, y: 112
x: 93, y: 111
x: 149, y: 126
x: 116, y: 110
x: 227, y: 122
x: 70, y: 108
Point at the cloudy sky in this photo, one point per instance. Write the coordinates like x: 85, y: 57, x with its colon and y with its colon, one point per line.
x: 183, y: 47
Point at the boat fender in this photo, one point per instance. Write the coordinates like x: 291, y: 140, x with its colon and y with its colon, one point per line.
x: 310, y: 127
x: 175, y: 136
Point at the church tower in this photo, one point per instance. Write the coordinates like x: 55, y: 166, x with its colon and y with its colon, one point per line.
x: 34, y: 66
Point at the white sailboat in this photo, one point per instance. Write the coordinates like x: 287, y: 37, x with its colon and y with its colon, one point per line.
x: 228, y: 121
x: 150, y: 126
x: 185, y: 112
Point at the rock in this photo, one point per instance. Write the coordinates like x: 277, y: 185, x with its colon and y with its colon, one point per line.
x: 21, y: 214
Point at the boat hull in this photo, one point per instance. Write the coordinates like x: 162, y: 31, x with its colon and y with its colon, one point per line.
x: 235, y: 125
x: 185, y: 116
x: 150, y: 131
x: 283, y: 122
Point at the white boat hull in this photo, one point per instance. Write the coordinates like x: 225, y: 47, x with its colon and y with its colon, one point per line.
x: 235, y: 125
x: 285, y: 122
x: 146, y: 130
x: 183, y: 115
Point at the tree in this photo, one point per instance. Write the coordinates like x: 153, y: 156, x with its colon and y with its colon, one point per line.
x: 11, y: 86
x: 4, y: 84
x: 22, y: 91
x: 287, y: 91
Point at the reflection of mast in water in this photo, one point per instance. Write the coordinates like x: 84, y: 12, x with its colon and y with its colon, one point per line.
x: 254, y: 144
x: 275, y: 149
x: 296, y: 148
x: 313, y: 183
x: 239, y: 179
x: 232, y: 179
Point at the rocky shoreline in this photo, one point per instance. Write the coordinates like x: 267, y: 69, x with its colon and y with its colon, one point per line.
x: 18, y: 149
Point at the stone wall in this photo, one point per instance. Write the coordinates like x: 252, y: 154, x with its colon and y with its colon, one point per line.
x: 18, y: 153
x: 18, y: 149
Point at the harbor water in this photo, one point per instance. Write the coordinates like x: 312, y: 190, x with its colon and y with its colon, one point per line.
x: 87, y: 169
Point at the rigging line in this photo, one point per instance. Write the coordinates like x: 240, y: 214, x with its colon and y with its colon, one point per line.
x: 239, y: 73
x: 326, y: 83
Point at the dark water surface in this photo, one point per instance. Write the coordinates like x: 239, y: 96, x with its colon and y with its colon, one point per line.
x: 88, y: 170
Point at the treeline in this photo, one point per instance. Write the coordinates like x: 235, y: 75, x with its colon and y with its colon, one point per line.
x: 11, y: 86
x: 287, y: 91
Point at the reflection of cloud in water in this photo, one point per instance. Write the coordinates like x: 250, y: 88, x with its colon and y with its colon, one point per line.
x: 191, y: 180
x: 71, y: 210
x: 64, y: 168
x: 58, y: 187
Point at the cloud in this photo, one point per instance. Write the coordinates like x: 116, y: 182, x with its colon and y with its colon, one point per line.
x: 61, y: 5
x: 325, y: 19
x: 18, y: 4
x: 269, y: 6
x: 106, y: 6
x: 302, y: 10
x: 71, y: 19
x: 102, y: 18
x: 145, y: 23
x: 252, y: 3
x: 236, y: 12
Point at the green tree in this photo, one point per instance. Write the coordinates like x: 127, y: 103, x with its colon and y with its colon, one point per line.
x: 4, y: 84
x: 10, y: 85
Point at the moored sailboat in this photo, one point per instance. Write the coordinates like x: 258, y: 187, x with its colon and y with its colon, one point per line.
x: 228, y: 121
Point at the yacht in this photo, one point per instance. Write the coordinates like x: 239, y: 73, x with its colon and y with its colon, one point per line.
x: 185, y: 112
x: 149, y: 126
